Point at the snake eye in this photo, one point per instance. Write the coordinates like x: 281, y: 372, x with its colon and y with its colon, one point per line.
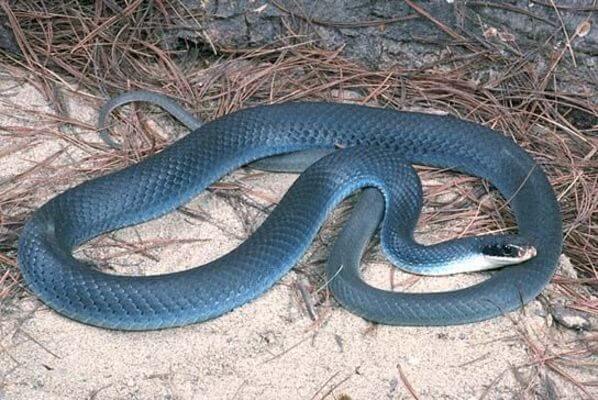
x: 510, y: 250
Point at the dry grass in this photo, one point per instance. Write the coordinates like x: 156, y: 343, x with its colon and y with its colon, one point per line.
x: 101, y: 49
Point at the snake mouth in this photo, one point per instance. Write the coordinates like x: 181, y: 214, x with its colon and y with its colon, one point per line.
x: 508, y: 254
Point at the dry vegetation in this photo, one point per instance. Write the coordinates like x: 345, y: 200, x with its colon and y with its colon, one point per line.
x: 101, y: 49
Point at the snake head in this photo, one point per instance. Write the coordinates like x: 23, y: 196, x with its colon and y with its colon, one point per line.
x: 508, y: 253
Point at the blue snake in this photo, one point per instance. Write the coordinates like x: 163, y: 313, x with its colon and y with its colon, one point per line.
x: 351, y: 147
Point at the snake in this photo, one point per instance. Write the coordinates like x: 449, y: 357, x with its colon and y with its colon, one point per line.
x: 340, y: 149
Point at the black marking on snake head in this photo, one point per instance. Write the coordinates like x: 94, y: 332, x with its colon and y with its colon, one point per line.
x: 501, y: 250
x: 509, y: 251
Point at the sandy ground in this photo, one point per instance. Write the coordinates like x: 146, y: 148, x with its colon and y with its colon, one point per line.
x: 268, y: 349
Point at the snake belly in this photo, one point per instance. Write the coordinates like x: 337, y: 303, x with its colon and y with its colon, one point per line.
x: 160, y: 183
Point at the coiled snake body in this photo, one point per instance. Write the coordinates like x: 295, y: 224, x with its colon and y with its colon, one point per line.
x: 378, y: 146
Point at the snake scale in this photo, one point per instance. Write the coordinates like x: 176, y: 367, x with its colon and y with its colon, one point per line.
x: 378, y: 148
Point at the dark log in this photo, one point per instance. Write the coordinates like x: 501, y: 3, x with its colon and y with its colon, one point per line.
x: 382, y: 33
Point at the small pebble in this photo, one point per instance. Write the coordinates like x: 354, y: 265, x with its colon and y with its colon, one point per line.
x: 572, y: 319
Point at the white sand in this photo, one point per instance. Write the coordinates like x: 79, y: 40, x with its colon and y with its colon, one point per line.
x: 268, y: 349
